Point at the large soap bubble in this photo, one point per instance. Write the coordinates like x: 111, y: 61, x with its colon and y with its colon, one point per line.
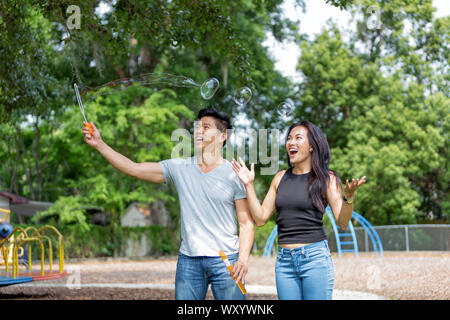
x: 242, y: 96
x: 209, y: 88
x: 286, y: 109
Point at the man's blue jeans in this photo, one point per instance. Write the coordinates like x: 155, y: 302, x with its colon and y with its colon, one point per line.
x: 194, y: 274
x: 305, y: 273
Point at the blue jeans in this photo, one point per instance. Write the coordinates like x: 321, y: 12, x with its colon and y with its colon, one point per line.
x: 305, y: 273
x: 194, y: 274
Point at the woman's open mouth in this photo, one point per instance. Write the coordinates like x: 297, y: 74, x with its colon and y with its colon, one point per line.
x: 292, y: 152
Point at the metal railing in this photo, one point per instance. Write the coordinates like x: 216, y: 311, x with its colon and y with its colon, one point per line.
x: 410, y: 237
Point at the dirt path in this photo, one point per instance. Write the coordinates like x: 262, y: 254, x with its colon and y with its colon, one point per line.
x: 399, y: 275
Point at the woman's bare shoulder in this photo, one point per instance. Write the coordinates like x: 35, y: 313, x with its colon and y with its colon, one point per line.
x: 277, y: 178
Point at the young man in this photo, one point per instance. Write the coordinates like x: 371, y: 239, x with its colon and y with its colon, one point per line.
x: 210, y: 193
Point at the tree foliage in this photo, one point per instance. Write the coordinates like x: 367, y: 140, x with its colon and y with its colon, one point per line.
x: 379, y: 93
x: 382, y: 99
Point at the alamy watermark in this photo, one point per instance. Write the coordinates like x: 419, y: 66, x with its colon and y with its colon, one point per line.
x: 374, y: 280
x: 374, y: 23
x: 74, y: 20
x: 74, y: 277
x: 254, y: 146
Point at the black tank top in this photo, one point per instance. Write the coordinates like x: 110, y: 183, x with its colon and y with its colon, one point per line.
x: 297, y: 219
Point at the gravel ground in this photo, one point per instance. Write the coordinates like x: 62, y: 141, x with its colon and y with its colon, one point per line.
x: 399, y: 275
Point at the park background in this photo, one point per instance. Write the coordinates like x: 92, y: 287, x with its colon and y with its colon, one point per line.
x: 380, y: 94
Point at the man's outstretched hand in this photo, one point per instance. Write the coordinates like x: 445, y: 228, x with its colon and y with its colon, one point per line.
x: 92, y: 140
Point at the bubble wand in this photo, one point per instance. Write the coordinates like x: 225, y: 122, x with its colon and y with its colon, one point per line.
x: 230, y: 268
x: 80, y: 104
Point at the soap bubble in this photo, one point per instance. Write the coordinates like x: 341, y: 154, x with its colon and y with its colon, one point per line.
x: 286, y: 109
x: 147, y: 80
x: 209, y: 88
x: 242, y: 96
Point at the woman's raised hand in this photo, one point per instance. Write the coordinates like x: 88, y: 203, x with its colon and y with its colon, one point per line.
x: 350, y: 188
x: 245, y: 175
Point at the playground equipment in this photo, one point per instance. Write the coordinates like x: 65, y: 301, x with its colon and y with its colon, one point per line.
x: 351, y: 244
x: 12, y: 243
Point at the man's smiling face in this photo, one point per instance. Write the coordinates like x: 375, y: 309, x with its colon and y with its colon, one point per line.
x: 206, y: 133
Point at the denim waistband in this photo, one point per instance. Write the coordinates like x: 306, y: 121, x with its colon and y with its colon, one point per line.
x: 303, y: 249
x: 229, y: 256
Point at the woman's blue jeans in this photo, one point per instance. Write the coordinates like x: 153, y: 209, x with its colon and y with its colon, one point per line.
x: 305, y: 273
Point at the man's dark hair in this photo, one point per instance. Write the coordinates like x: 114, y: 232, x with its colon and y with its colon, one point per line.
x: 222, y: 120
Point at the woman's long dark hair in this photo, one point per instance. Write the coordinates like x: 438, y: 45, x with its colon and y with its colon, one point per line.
x: 320, y: 159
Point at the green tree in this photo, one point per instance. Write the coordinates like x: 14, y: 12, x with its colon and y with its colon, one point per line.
x: 336, y: 85
x: 134, y: 125
x: 382, y: 100
x: 136, y: 122
x: 398, y: 148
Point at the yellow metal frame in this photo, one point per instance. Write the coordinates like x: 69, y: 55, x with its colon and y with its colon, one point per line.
x: 8, y: 212
x: 11, y: 241
x: 13, y: 244
x: 50, y: 248
x: 60, y: 245
x: 15, y: 268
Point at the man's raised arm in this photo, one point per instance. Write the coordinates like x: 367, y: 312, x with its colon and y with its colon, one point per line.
x: 149, y: 171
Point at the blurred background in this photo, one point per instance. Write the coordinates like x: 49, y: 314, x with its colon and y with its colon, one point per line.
x: 373, y: 75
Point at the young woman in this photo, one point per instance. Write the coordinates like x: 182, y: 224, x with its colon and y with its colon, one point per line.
x: 300, y: 194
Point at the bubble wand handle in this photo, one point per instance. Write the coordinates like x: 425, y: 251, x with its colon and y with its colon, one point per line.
x: 80, y: 104
x: 230, y: 268
x: 89, y: 126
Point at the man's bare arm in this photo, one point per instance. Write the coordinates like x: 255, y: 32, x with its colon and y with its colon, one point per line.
x: 149, y: 171
x: 246, y: 237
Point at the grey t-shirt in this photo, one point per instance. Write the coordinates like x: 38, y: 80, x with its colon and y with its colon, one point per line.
x: 208, y: 219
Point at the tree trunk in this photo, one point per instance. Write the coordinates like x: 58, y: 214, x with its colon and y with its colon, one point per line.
x: 148, y: 61
x: 27, y: 169
x: 225, y: 74
x: 37, y: 157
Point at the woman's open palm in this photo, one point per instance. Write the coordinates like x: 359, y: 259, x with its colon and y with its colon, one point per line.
x: 245, y: 175
x: 350, y: 187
